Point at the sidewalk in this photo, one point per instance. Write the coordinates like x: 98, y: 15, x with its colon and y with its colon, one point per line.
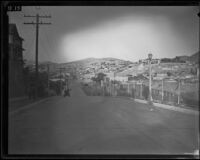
x: 174, y: 108
x: 165, y: 106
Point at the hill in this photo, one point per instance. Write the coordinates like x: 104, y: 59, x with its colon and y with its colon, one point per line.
x: 193, y: 58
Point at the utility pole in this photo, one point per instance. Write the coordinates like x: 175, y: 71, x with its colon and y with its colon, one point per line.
x: 37, y: 23
x: 150, y: 94
x: 141, y: 83
x: 162, y: 90
x: 179, y: 90
x: 114, y: 84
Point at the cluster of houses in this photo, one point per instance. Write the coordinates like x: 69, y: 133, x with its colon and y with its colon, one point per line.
x: 159, y: 71
x: 138, y: 73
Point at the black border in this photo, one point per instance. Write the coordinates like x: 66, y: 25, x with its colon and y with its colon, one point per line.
x: 103, y: 3
x: 4, y: 76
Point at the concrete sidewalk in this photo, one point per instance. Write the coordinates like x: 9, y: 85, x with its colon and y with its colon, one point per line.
x: 165, y: 106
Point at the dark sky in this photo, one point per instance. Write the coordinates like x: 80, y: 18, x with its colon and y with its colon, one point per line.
x: 121, y: 32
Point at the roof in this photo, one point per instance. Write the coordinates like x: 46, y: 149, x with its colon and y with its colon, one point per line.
x: 13, y: 30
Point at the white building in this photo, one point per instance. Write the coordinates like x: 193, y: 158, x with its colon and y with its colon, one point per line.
x: 117, y: 78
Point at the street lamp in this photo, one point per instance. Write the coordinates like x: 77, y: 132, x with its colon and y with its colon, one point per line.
x: 150, y: 96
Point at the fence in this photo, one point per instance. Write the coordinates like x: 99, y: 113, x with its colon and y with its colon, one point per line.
x: 141, y: 91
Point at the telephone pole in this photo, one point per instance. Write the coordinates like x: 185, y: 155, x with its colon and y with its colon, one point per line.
x: 179, y: 90
x: 36, y: 23
x: 150, y: 93
x: 48, y: 76
x: 162, y: 89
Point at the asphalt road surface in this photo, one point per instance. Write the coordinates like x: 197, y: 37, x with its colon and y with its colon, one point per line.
x: 82, y: 124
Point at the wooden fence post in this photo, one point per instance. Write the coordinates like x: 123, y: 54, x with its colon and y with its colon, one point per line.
x: 162, y: 89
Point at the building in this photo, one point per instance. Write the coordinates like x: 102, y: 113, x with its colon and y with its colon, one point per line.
x: 160, y: 76
x: 146, y: 61
x: 16, y: 85
x: 115, y: 77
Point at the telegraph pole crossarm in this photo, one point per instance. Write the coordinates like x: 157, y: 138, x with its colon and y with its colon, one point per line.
x: 37, y: 23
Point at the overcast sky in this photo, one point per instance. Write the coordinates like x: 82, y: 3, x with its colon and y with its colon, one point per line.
x: 126, y: 32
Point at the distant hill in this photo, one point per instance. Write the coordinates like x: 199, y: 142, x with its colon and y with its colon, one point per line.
x: 192, y: 58
x: 195, y: 57
x: 91, y: 59
x: 94, y: 61
x: 124, y: 67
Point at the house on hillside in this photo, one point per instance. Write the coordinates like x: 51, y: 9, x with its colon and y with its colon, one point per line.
x: 113, y: 76
x: 16, y: 77
x: 160, y: 76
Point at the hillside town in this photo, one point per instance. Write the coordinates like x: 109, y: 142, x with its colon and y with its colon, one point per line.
x: 167, y: 75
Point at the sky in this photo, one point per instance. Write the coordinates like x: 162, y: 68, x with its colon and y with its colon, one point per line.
x: 123, y: 32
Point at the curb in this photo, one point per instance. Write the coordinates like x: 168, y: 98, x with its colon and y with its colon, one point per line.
x: 28, y: 106
x: 183, y: 110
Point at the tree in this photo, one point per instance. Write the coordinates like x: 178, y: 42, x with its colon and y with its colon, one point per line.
x: 99, y: 77
x: 193, y: 71
x: 169, y: 74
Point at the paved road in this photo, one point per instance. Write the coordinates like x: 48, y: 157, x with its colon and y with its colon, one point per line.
x: 100, y: 125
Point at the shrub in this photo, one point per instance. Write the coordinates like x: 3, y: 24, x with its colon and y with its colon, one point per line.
x: 50, y: 92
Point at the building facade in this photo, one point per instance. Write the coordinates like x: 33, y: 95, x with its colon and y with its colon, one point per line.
x: 16, y: 85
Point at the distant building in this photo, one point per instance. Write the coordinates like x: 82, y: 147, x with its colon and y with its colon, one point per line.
x: 16, y: 85
x: 146, y: 61
x: 111, y: 76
